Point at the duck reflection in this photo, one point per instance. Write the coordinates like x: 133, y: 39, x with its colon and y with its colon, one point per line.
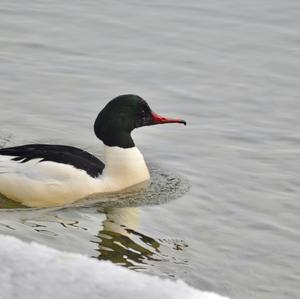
x: 120, y: 242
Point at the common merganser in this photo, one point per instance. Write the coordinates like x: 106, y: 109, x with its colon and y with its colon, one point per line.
x: 43, y: 175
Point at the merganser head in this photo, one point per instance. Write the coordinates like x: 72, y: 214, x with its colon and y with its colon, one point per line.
x: 122, y: 115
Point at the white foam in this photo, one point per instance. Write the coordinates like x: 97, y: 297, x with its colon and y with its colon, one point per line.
x: 36, y: 271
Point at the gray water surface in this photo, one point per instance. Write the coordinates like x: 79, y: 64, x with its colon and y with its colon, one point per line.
x: 231, y: 69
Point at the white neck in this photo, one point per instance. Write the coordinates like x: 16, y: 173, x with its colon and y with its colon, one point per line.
x: 124, y: 167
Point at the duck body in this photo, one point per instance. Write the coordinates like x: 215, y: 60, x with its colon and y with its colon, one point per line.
x: 43, y: 175
x: 51, y: 178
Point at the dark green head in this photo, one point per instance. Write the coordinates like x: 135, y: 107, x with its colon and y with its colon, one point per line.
x: 122, y: 115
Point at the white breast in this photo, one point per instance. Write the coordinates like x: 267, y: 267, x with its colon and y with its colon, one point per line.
x: 123, y: 168
x: 43, y: 184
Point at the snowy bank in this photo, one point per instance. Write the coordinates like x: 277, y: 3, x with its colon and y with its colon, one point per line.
x: 36, y: 271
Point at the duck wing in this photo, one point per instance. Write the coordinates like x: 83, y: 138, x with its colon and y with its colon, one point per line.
x: 69, y: 155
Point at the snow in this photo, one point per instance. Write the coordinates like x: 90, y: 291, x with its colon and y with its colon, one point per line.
x: 30, y: 270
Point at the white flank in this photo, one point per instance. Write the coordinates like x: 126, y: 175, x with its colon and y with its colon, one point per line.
x: 44, y: 184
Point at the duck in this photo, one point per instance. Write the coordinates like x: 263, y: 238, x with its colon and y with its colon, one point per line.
x: 46, y: 175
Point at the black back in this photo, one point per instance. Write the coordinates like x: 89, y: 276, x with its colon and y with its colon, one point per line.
x: 56, y: 153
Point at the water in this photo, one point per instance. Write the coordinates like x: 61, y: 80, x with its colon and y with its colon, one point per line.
x: 231, y: 69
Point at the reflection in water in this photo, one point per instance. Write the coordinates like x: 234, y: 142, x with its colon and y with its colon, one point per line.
x: 121, y: 243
